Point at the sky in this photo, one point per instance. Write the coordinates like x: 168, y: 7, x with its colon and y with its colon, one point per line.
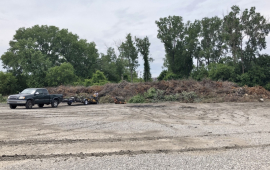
x: 107, y: 22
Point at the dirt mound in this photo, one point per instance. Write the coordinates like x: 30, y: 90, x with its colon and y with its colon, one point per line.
x: 207, y: 90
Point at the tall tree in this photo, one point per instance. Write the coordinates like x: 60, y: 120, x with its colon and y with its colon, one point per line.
x: 211, y: 44
x: 143, y: 47
x: 58, y: 46
x: 129, y: 52
x: 180, y: 42
x: 245, y: 34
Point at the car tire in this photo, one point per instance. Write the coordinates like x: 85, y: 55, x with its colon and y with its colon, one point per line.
x: 69, y: 103
x: 85, y: 102
x: 40, y: 105
x: 29, y: 104
x: 12, y: 106
x: 55, y: 103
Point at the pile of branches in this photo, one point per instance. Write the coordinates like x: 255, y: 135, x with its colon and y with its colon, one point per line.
x: 228, y: 91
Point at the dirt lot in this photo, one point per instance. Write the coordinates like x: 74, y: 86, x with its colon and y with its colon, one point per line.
x: 70, y: 135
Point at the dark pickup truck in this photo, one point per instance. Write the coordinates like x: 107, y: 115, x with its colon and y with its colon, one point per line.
x: 31, y: 96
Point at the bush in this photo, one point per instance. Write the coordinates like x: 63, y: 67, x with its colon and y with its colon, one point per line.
x: 61, y: 75
x: 137, y: 99
x: 189, y: 96
x: 267, y: 86
x: 172, y: 97
x: 221, y: 72
x: 162, y: 75
x: 8, y: 83
x: 199, y: 73
x: 171, y: 76
x: 3, y: 98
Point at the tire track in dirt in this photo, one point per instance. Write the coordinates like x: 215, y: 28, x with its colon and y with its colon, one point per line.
x: 125, y: 152
x: 65, y: 141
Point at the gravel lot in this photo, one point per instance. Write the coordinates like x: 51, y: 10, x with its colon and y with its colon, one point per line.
x: 136, y: 136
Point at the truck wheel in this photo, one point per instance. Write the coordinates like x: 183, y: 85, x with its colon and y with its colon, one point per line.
x: 86, y: 102
x: 12, y: 106
x: 55, y: 103
x: 69, y: 103
x: 29, y: 104
x: 40, y: 105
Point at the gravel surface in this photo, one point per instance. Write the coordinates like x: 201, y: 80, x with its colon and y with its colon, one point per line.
x: 136, y: 136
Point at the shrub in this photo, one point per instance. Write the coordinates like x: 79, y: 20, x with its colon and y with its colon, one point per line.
x: 199, y: 73
x: 267, y: 86
x: 162, y: 75
x: 171, y: 76
x: 61, y: 75
x: 8, y: 83
x: 3, y: 98
x: 137, y: 99
x: 172, y: 97
x: 189, y: 96
x: 221, y: 72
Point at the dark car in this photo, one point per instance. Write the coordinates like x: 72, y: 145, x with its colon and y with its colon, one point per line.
x: 31, y: 96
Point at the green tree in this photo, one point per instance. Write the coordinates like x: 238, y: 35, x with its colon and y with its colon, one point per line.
x: 245, y: 34
x: 221, y: 72
x: 129, y: 52
x: 212, y: 43
x: 143, y: 47
x: 8, y: 83
x: 162, y: 75
x: 99, y: 78
x: 180, y: 42
x: 48, y: 44
x: 108, y: 65
x: 61, y: 75
x: 26, y: 59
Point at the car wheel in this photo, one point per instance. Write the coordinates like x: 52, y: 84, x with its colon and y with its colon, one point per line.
x: 12, y: 106
x: 29, y: 104
x: 85, y: 102
x: 69, y: 103
x: 55, y: 103
x: 40, y: 105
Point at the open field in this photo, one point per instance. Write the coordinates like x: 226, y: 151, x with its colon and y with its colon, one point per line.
x: 136, y: 136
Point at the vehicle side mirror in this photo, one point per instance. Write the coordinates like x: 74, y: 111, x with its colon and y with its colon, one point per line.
x: 37, y: 93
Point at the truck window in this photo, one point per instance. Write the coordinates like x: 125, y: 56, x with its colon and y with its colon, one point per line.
x: 40, y: 91
x: 45, y: 91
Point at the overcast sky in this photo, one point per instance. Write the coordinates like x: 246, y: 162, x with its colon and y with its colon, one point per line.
x: 108, y: 21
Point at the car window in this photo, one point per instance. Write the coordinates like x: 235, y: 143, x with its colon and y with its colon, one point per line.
x: 45, y: 91
x: 39, y: 91
x: 28, y: 91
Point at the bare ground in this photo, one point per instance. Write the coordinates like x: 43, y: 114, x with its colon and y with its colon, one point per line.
x: 91, y: 131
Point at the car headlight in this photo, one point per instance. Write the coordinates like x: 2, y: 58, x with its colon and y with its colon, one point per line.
x: 8, y: 97
x: 21, y: 97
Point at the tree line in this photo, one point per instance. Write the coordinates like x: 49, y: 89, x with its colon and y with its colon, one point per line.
x: 227, y: 48
x: 44, y: 55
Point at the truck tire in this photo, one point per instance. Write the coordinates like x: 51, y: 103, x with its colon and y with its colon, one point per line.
x: 29, y: 104
x: 85, y: 102
x: 40, y: 105
x: 12, y: 106
x: 69, y: 103
x: 55, y: 103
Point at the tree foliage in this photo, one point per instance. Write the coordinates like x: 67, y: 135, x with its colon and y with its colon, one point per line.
x: 61, y: 75
x: 8, y: 83
x: 130, y: 53
x: 180, y: 42
x: 143, y: 47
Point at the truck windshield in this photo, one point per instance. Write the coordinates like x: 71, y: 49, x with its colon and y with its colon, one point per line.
x: 28, y: 91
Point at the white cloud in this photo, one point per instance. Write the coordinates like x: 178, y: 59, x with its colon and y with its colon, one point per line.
x: 106, y: 21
